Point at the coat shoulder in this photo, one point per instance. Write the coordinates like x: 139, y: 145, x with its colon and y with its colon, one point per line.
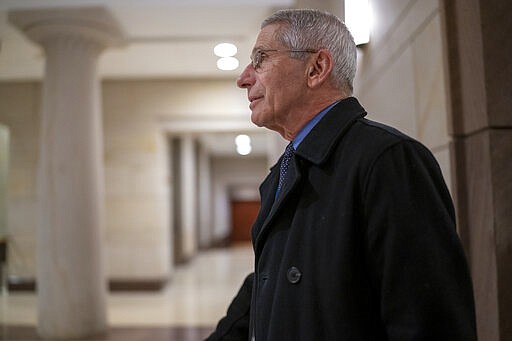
x: 372, y: 139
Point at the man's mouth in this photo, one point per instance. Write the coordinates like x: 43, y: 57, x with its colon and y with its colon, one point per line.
x: 253, y: 100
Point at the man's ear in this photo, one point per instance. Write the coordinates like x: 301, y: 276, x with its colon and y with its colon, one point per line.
x: 319, y: 68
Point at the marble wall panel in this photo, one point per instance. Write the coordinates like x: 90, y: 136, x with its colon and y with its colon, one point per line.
x: 387, y: 15
x: 497, y: 54
x: 134, y: 212
x: 391, y: 99
x: 159, y: 98
x: 22, y: 255
x: 122, y: 181
x: 442, y: 156
x: 137, y: 244
x: 405, y: 20
x: 480, y: 75
x: 429, y: 83
x: 501, y: 156
x: 465, y: 65
x: 475, y: 202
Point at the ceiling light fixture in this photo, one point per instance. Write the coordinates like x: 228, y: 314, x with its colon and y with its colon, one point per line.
x: 225, y: 50
x: 358, y: 20
x: 243, y: 144
x: 227, y: 63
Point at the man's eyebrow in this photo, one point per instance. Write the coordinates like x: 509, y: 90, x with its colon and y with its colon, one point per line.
x: 261, y: 47
x: 256, y: 48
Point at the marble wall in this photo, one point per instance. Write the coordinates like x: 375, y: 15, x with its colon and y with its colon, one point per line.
x: 400, y: 79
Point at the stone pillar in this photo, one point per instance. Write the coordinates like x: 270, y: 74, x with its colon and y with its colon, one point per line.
x: 4, y: 169
x: 205, y: 199
x: 478, y: 54
x: 71, y: 282
x: 188, y: 196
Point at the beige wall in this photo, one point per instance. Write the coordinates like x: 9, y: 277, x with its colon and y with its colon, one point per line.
x: 19, y: 103
x: 136, y: 115
x: 400, y: 78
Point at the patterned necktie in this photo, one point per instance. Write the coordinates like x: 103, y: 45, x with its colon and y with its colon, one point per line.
x: 288, y: 153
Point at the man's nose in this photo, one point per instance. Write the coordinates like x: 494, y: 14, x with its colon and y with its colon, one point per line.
x: 246, y: 78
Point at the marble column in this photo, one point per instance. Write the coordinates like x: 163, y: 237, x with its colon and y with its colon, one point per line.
x: 71, y: 284
x: 188, y: 196
x: 205, y: 199
x: 478, y: 54
x: 4, y: 169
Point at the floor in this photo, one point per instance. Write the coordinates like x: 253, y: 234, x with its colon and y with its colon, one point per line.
x: 186, y: 310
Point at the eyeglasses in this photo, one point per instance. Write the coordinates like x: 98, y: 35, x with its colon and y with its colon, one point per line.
x: 259, y: 55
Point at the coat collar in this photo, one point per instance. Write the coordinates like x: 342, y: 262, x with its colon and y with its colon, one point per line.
x: 315, y: 148
x: 319, y: 143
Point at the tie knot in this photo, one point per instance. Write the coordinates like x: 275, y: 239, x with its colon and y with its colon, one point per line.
x: 288, y: 153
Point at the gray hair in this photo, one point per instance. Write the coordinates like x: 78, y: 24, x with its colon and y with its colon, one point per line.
x: 314, y: 29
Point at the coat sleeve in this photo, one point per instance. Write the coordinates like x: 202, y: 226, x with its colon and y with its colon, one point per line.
x: 235, y: 325
x: 416, y: 261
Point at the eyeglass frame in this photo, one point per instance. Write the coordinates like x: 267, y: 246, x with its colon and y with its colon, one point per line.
x: 257, y: 55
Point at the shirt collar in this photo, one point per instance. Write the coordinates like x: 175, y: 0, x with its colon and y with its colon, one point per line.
x: 310, y: 125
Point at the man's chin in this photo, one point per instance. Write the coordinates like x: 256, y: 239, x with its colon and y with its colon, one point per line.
x: 254, y: 120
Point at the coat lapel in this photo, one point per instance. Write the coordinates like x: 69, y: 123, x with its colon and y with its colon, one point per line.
x: 315, y: 149
x: 267, y: 191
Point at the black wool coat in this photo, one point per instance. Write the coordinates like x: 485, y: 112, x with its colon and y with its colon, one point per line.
x: 359, y: 245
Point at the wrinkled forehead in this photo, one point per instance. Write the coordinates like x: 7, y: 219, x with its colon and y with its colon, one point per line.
x: 267, y: 38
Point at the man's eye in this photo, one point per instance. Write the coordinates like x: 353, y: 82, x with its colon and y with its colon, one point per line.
x: 261, y: 58
x: 258, y: 58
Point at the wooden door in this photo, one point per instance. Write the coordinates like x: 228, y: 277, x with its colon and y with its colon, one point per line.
x: 243, y: 214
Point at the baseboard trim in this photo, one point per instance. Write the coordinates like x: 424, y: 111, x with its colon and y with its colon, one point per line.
x: 137, y: 285
x: 29, y: 284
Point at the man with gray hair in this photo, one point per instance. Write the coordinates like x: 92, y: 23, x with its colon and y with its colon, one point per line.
x: 355, y: 238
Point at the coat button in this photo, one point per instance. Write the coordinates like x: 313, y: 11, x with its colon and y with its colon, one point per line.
x: 293, y: 275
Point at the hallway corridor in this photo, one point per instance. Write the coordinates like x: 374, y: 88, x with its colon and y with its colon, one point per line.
x: 186, y: 310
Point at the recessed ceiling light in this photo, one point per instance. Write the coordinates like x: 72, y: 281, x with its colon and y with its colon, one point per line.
x: 243, y: 144
x: 225, y: 50
x: 242, y: 139
x: 227, y: 63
